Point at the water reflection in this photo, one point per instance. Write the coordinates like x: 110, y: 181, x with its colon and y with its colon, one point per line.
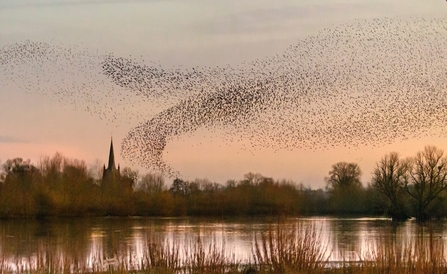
x: 100, y: 241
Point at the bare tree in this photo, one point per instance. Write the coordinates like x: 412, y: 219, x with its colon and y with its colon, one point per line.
x: 17, y: 169
x: 344, y: 175
x: 180, y: 187
x: 96, y: 170
x: 152, y: 183
x: 16, y: 165
x: 2, y: 174
x: 131, y: 175
x: 427, y: 179
x: 389, y: 178
x: 252, y: 178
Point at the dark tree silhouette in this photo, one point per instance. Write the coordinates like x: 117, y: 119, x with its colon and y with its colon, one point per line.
x: 345, y: 187
x: 427, y: 179
x: 389, y: 178
x: 344, y: 175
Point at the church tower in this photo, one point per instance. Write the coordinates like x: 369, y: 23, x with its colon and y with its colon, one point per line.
x: 111, y: 171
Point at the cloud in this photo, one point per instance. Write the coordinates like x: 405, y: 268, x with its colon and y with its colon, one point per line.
x: 9, y: 139
x: 60, y: 3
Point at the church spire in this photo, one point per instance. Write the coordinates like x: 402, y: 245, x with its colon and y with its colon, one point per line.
x: 111, y: 171
x: 111, y: 157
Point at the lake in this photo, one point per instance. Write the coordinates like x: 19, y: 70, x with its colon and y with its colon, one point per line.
x: 86, y: 240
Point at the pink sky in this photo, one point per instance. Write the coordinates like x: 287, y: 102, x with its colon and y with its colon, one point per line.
x: 173, y: 33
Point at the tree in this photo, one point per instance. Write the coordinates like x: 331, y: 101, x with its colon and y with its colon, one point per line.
x: 427, y: 179
x: 2, y: 175
x: 179, y: 187
x: 96, y: 171
x: 152, y: 183
x: 345, y: 187
x: 16, y: 166
x: 180, y: 191
x: 252, y: 178
x: 16, y: 195
x: 389, y: 178
x: 129, y: 177
x: 18, y: 171
x: 344, y: 175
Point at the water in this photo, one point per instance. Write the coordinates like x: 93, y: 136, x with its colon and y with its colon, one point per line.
x: 90, y: 240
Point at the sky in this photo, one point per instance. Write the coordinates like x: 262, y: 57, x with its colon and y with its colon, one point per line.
x: 170, y: 34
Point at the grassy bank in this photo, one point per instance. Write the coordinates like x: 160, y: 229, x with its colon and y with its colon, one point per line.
x: 279, y: 250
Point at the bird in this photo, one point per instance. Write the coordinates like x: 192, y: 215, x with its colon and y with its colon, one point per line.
x: 364, y: 83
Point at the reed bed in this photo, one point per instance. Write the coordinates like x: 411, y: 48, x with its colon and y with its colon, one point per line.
x: 290, y: 250
x: 413, y: 256
x: 282, y: 249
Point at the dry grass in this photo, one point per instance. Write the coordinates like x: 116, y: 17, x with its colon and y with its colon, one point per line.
x: 291, y: 250
x: 209, y: 259
x: 160, y: 256
x: 413, y: 256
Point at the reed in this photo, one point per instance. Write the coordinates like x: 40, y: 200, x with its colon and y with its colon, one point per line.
x: 161, y: 255
x: 211, y: 258
x: 413, y: 256
x: 293, y: 250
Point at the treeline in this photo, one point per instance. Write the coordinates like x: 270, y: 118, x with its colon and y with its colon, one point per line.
x: 58, y: 186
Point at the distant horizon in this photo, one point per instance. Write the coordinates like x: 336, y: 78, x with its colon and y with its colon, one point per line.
x: 100, y: 163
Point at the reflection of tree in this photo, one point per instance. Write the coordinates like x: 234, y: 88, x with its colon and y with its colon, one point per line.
x: 391, y: 236
x: 345, y: 239
x: 84, y: 241
x: 74, y: 240
x: 27, y: 238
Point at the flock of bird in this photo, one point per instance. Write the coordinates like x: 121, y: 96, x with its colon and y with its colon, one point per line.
x: 367, y: 83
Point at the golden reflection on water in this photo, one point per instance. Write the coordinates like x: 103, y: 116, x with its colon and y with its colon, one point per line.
x: 104, y: 242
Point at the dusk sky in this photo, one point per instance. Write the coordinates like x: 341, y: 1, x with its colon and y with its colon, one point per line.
x: 170, y: 34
